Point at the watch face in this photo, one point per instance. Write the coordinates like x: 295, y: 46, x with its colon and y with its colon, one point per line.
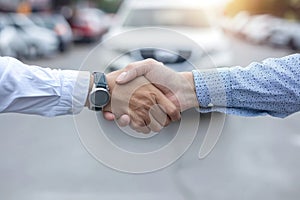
x: 100, y: 98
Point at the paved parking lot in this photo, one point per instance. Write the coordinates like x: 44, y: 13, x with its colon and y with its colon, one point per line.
x: 256, y: 158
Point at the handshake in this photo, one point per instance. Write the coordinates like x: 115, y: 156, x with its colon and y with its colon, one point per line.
x: 147, y: 96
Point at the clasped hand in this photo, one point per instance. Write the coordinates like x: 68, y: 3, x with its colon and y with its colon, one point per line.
x: 147, y: 96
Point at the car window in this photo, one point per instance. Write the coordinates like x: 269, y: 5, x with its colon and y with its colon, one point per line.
x: 166, y: 17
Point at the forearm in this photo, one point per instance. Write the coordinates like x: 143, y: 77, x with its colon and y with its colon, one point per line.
x: 271, y: 87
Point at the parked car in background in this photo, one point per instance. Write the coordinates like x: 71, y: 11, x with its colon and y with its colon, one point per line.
x: 89, y: 24
x: 10, y: 43
x: 191, y: 20
x: 58, y: 24
x: 286, y: 34
x: 264, y: 29
x: 39, y: 41
x: 259, y: 28
x: 238, y: 23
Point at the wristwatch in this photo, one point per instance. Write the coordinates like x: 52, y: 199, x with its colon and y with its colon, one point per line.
x: 99, y: 96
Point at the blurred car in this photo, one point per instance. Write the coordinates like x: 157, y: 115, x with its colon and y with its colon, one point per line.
x: 88, y: 24
x: 259, y: 28
x: 286, y: 34
x: 191, y: 20
x: 58, y: 24
x: 39, y: 41
x: 10, y: 43
x: 239, y: 22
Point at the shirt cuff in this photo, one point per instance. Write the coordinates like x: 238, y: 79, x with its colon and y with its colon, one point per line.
x: 80, y: 91
x: 74, y: 91
x: 212, y: 88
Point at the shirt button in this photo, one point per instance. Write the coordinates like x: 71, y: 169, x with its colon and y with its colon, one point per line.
x: 210, y: 105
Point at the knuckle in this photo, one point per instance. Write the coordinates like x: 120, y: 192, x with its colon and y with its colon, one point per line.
x: 140, y: 123
x: 147, y: 121
x: 157, y: 129
x: 172, y: 111
x: 151, y: 61
x: 135, y: 127
x: 141, y: 127
x: 129, y: 66
x: 175, y: 114
x: 144, y: 117
x: 146, y: 131
x: 160, y: 63
x: 167, y: 122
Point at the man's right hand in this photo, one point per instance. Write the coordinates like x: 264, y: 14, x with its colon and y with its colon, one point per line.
x: 146, y: 106
x: 177, y: 87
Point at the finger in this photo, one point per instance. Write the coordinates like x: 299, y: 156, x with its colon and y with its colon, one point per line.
x: 170, y: 109
x: 130, y: 75
x: 123, y: 121
x: 160, y: 116
x: 154, y: 125
x: 108, y: 116
x: 139, y: 128
x: 137, y: 123
x: 136, y: 69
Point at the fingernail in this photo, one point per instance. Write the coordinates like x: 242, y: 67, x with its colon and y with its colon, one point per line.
x: 121, y: 77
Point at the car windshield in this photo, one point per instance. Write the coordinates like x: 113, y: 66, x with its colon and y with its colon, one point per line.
x: 167, y: 17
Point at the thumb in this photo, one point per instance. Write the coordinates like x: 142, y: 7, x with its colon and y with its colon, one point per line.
x: 123, y: 78
x: 128, y: 76
x: 134, y: 70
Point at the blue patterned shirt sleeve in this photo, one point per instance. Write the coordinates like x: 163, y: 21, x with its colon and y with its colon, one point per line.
x: 271, y: 87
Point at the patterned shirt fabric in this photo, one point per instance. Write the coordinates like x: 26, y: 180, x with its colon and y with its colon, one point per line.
x: 271, y: 87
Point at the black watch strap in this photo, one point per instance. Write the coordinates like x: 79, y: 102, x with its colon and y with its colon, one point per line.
x: 97, y: 108
x: 100, y: 80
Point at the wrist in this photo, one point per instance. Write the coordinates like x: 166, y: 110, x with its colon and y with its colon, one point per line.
x: 111, y: 80
x: 189, y: 91
x: 87, y: 102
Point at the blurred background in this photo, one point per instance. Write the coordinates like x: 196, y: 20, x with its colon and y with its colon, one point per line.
x: 256, y: 157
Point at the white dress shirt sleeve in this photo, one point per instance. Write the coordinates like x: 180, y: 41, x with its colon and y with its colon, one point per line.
x: 41, y: 91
